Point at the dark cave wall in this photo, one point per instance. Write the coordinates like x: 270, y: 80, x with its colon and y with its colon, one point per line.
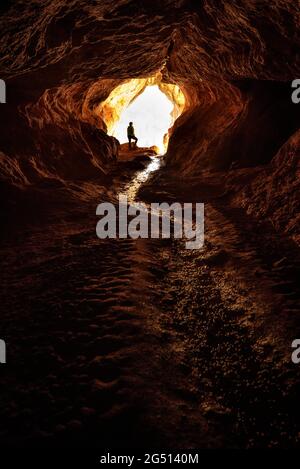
x: 272, y: 192
x: 58, y: 136
x: 269, y: 120
x: 64, y: 118
x: 246, y: 126
x: 198, y: 136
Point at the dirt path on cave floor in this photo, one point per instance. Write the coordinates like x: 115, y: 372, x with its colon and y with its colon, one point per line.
x: 138, y: 343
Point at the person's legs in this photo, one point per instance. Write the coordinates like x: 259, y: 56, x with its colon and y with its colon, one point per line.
x: 129, y: 141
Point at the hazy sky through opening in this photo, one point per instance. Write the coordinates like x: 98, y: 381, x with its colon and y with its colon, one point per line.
x: 150, y: 114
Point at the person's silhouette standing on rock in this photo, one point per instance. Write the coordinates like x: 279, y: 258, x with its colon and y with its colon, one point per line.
x: 130, y: 135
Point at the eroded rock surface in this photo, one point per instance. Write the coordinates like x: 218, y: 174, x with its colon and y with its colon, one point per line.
x: 61, y: 59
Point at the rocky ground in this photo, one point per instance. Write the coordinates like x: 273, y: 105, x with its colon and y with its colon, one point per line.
x: 134, y: 343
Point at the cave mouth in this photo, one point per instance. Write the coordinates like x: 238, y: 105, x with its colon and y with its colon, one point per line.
x: 150, y: 113
x: 151, y: 105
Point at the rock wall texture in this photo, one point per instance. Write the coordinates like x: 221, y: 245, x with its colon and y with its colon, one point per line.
x: 234, y: 60
x: 272, y: 192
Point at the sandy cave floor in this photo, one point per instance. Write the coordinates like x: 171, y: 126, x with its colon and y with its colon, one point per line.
x: 138, y: 343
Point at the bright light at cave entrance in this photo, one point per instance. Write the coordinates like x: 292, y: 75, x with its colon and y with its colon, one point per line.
x: 150, y: 113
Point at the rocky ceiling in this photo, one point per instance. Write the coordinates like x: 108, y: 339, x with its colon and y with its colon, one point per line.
x: 234, y: 61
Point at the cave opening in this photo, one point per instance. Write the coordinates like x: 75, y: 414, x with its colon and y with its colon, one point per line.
x: 150, y: 113
x: 151, y: 105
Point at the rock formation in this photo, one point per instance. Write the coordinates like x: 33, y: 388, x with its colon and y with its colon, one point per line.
x: 234, y: 62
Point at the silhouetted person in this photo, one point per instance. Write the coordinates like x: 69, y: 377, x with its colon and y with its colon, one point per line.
x: 130, y: 134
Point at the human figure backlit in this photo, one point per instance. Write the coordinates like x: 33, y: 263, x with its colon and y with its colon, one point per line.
x: 131, y: 135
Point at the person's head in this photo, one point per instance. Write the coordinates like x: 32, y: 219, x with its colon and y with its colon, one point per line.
x: 130, y: 123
